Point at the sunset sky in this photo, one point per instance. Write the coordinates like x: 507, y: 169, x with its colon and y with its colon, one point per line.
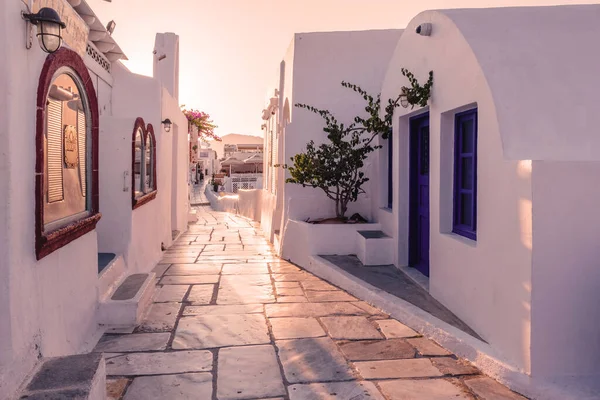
x: 230, y: 49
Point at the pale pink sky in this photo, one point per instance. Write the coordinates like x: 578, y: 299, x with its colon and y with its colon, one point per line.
x: 231, y: 49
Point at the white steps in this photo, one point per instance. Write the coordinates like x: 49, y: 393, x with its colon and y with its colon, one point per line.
x: 126, y: 305
x: 81, y: 377
x: 374, y: 248
x: 111, y: 277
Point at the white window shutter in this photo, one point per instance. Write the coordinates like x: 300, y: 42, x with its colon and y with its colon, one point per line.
x: 81, y: 140
x: 54, y: 151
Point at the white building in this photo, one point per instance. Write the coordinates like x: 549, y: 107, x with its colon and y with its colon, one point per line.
x: 509, y: 238
x: 504, y: 163
x: 311, y: 73
x: 234, y: 142
x: 207, y: 159
x: 73, y: 124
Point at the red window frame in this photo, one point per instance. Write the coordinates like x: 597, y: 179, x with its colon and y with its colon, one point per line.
x: 48, y: 242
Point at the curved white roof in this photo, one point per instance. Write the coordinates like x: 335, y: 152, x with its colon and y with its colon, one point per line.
x: 542, y: 66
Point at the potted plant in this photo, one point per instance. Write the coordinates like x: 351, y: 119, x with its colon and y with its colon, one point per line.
x: 335, y: 166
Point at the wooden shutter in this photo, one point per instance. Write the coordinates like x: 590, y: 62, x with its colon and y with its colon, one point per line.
x: 82, y: 136
x: 54, y: 151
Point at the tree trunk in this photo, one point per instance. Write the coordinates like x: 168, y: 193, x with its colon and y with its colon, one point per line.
x: 343, y: 208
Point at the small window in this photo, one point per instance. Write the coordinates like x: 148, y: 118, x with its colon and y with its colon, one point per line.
x: 465, y: 175
x: 144, y: 164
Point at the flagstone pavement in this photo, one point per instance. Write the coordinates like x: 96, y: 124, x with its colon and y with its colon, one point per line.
x: 230, y: 320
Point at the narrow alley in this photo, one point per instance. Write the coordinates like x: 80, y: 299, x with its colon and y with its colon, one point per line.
x: 230, y: 320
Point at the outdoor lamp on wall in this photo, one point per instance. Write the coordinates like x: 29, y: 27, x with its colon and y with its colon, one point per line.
x: 167, y: 123
x: 404, y: 99
x: 49, y: 28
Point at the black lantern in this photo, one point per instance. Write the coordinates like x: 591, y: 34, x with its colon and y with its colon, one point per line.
x: 167, y: 123
x: 49, y: 26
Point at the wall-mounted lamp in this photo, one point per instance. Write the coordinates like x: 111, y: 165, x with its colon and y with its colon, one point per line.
x: 424, y: 29
x: 110, y: 27
x: 404, y: 97
x: 167, y: 123
x: 49, y: 28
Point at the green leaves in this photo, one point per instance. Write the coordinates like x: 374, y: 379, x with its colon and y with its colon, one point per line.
x: 417, y: 94
x: 335, y: 166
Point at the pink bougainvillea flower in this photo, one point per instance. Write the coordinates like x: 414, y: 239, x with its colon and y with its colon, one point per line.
x: 203, y: 122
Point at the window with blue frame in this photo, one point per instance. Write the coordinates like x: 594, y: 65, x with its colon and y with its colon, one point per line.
x: 390, y: 189
x: 465, y: 175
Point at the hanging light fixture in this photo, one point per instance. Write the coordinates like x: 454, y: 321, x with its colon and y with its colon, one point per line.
x: 167, y: 123
x: 49, y: 27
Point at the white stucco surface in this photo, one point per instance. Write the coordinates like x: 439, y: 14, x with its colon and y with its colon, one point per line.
x: 311, y: 72
x: 303, y: 240
x: 37, y: 313
x: 566, y: 227
x: 486, y: 283
x: 522, y: 284
x: 543, y: 81
x: 49, y: 307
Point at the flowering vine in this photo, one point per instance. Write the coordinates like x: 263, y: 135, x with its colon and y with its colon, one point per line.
x: 201, y: 120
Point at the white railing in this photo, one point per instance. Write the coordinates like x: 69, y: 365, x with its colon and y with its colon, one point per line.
x: 243, y: 182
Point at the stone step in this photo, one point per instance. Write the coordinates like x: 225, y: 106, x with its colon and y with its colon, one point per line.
x: 375, y: 248
x: 126, y: 305
x: 192, y: 216
x: 111, y: 276
x: 77, y: 377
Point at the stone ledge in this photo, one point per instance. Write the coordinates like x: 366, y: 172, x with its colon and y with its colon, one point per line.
x: 78, y: 377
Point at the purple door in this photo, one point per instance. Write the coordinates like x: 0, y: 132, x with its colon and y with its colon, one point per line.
x: 419, y: 194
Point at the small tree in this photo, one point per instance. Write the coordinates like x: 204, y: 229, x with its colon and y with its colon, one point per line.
x: 335, y: 166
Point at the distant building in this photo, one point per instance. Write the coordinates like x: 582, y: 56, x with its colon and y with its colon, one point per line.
x: 234, y: 142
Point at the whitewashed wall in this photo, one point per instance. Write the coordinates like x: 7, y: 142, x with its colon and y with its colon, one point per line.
x: 178, y: 161
x: 486, y: 283
x: 48, y: 307
x: 566, y: 277
x: 528, y: 285
x: 37, y: 313
x: 315, y: 66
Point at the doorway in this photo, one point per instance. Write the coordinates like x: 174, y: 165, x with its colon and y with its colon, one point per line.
x: 419, y: 194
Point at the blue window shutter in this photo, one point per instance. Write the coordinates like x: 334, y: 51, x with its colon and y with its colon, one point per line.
x: 465, y: 174
x: 390, y: 182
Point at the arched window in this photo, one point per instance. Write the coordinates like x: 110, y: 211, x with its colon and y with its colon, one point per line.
x: 144, y: 164
x: 67, y: 153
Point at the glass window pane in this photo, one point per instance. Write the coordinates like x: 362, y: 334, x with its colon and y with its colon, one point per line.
x: 148, y: 168
x: 466, y: 209
x: 138, y: 166
x: 467, y: 134
x: 466, y: 173
x: 65, y: 136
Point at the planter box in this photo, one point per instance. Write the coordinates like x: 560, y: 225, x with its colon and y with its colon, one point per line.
x: 301, y: 240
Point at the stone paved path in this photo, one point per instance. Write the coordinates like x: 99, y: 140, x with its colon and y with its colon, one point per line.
x: 197, y: 195
x: 232, y: 321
